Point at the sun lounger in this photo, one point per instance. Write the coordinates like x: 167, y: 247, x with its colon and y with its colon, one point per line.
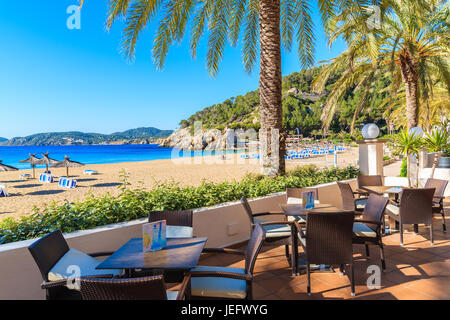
x: 25, y: 176
x: 67, y: 183
x: 45, y: 178
x: 3, y: 192
x: 90, y: 172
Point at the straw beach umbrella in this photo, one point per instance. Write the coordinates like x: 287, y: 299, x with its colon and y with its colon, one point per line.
x: 5, y: 167
x: 31, y: 160
x: 46, y: 160
x: 67, y: 163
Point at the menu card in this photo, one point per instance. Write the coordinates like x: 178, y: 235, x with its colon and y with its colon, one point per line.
x: 154, y: 235
x: 308, y: 198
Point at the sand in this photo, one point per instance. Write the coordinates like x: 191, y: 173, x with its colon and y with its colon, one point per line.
x: 25, y: 194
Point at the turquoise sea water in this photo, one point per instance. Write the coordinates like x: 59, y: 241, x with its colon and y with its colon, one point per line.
x: 94, y: 154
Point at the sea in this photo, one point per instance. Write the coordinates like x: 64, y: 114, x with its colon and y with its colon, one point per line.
x: 96, y: 154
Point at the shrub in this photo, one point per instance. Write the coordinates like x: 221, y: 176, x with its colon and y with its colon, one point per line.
x: 133, y: 204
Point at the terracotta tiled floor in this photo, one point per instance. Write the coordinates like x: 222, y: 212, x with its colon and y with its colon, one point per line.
x: 417, y: 270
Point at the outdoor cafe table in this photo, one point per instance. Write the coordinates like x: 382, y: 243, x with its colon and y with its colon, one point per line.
x: 180, y: 254
x: 300, y: 210
x: 380, y: 190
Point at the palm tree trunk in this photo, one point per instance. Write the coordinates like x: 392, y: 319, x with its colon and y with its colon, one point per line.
x: 435, y: 164
x: 272, y: 136
x: 410, y: 79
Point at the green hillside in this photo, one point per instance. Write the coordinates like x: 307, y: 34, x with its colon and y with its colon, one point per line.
x: 301, y: 107
x: 139, y: 135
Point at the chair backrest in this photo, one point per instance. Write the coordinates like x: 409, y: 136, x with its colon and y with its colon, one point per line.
x: 416, y: 205
x: 298, y: 192
x: 374, y: 180
x: 348, y: 199
x: 254, y: 247
x: 329, y: 237
x: 145, y: 288
x: 173, y: 218
x: 247, y: 209
x: 48, y: 250
x: 374, y: 210
x: 439, y: 185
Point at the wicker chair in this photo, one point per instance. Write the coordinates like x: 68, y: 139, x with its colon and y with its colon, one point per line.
x: 438, y: 198
x: 415, y: 207
x: 228, y: 283
x: 46, y: 252
x: 281, y: 231
x: 146, y: 288
x: 179, y: 225
x: 328, y: 240
x: 368, y: 229
x: 349, y: 202
x: 374, y: 180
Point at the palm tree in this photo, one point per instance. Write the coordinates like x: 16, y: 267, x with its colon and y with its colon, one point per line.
x: 406, y: 144
x: 271, y: 22
x: 436, y: 140
x: 411, y: 47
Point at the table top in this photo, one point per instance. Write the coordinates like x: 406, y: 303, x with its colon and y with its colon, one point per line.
x: 380, y: 190
x: 298, y: 209
x: 179, y: 254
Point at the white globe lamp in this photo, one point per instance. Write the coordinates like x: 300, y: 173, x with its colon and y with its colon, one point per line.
x: 417, y: 131
x: 370, y: 131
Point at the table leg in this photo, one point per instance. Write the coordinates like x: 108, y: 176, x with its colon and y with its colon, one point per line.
x: 294, y: 250
x: 416, y: 228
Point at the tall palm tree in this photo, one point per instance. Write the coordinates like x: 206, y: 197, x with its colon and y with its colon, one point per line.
x: 272, y: 23
x: 411, y: 46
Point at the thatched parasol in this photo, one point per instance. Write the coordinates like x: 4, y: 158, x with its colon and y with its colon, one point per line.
x: 46, y: 160
x: 67, y: 163
x: 31, y: 160
x: 5, y: 167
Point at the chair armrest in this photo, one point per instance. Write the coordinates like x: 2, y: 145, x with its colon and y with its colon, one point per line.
x: 101, y: 253
x: 223, y: 250
x: 369, y: 221
x: 268, y: 223
x: 184, y: 286
x: 221, y: 274
x: 53, y: 284
x: 259, y: 214
x: 392, y: 202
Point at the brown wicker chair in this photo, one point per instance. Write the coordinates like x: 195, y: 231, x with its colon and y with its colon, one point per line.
x: 228, y: 283
x: 349, y: 202
x: 374, y: 180
x: 438, y: 198
x: 368, y: 229
x: 174, y: 218
x: 415, y: 207
x: 46, y: 253
x: 281, y: 231
x: 146, y: 288
x: 328, y: 240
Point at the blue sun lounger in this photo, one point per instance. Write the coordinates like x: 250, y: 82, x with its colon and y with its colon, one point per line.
x: 45, y: 178
x: 67, y: 183
x: 3, y: 192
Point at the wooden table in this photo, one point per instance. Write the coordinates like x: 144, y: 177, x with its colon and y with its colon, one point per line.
x: 299, y: 210
x: 180, y: 254
x: 381, y: 190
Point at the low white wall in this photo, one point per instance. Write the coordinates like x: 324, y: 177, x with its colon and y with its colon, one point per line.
x: 223, y: 225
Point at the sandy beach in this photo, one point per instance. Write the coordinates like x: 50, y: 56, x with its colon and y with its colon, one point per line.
x: 25, y: 194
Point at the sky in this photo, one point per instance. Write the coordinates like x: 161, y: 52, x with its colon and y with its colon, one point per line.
x: 56, y: 79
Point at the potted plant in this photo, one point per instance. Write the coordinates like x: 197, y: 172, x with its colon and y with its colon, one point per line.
x: 437, y: 141
x: 444, y: 159
x: 407, y: 144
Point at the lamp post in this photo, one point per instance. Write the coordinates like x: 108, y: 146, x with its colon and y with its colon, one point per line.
x: 371, y: 150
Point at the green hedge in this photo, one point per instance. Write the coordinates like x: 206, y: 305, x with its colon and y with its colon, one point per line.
x: 133, y: 204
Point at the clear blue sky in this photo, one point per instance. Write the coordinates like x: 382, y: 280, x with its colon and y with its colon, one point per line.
x: 56, y: 79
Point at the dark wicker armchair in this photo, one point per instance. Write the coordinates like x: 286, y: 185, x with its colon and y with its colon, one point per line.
x: 415, y: 207
x: 328, y: 240
x: 349, y: 202
x: 438, y: 198
x: 228, y: 283
x: 371, y: 180
x: 275, y: 230
x: 145, y: 288
x: 367, y: 230
x: 46, y: 252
